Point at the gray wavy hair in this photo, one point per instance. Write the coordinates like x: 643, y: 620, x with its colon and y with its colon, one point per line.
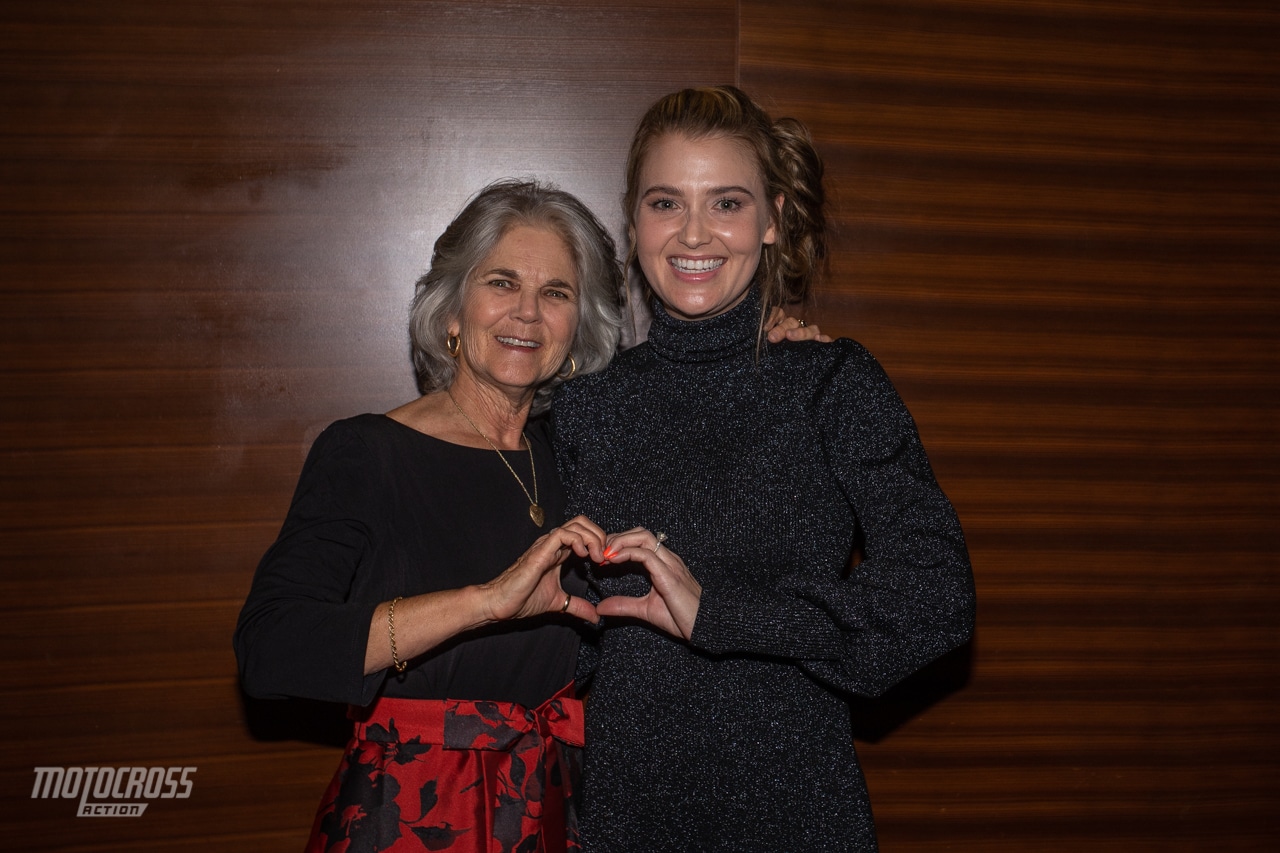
x: 470, y: 238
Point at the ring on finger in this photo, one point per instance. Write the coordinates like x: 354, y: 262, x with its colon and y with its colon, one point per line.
x: 565, y: 606
x: 660, y: 537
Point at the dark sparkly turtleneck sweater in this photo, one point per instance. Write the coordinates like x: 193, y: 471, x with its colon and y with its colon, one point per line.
x: 764, y: 468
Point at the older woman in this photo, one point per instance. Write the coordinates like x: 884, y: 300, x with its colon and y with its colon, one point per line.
x: 746, y: 476
x: 417, y: 576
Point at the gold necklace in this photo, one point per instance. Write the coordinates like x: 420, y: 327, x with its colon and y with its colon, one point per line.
x: 535, y: 511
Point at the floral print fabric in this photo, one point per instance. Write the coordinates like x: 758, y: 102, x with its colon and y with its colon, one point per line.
x: 458, y: 776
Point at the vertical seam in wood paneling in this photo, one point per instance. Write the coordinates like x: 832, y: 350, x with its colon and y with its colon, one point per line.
x: 737, y: 45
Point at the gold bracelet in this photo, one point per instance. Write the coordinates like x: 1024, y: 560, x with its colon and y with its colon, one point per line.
x: 400, y: 665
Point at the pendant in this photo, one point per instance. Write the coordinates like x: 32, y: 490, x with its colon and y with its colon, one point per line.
x: 536, y: 513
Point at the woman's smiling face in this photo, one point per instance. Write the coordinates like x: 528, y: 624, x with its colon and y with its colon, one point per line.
x: 519, y: 312
x: 701, y: 223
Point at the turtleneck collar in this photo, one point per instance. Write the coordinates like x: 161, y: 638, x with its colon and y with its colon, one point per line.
x: 706, y: 340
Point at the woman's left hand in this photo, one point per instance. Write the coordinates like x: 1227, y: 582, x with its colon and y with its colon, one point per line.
x: 675, y: 594
x: 531, y: 586
x: 784, y: 327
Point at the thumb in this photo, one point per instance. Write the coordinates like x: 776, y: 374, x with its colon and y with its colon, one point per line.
x: 623, y: 605
x: 583, y: 609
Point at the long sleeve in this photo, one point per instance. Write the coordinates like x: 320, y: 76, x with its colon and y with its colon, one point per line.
x: 768, y: 467
x: 908, y: 601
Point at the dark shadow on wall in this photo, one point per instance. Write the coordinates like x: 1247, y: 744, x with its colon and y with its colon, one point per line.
x: 875, y: 719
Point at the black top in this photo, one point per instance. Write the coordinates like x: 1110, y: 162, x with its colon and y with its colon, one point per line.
x: 764, y: 468
x: 383, y: 510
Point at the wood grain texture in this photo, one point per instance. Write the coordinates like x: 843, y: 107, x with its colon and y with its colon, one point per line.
x: 1058, y: 229
x: 211, y: 219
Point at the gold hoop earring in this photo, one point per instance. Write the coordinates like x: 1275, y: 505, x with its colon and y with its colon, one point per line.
x: 453, y: 345
x: 573, y: 368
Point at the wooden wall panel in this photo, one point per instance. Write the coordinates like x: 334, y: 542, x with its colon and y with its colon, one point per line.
x: 1059, y: 230
x: 211, y: 218
x: 1057, y: 227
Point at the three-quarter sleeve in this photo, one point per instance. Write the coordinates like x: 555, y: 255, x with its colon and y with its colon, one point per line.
x: 909, y: 600
x: 300, y: 634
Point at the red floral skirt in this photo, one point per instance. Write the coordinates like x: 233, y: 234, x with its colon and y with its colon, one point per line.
x: 466, y: 777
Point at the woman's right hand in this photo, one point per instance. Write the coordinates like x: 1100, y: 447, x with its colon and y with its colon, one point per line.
x: 531, y: 586
x: 783, y: 327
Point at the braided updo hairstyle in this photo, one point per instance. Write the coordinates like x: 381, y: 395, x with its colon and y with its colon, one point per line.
x: 788, y: 161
